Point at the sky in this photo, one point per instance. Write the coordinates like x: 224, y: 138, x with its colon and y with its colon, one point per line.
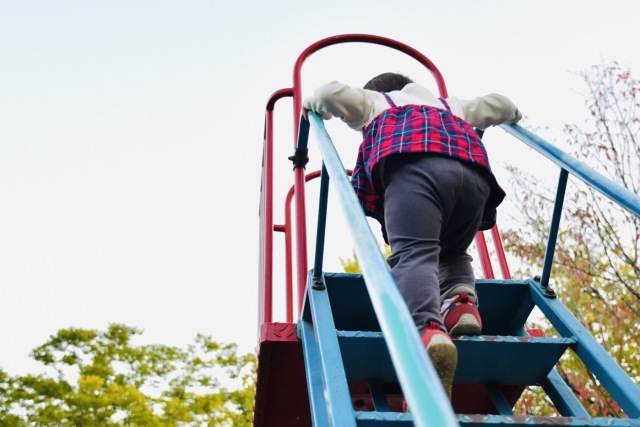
x: 131, y: 140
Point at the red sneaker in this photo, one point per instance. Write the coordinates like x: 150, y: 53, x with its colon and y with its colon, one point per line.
x: 462, y: 317
x: 443, y: 353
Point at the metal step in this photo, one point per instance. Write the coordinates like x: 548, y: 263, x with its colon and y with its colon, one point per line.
x: 382, y: 419
x: 493, y: 369
x: 507, y: 360
x: 504, y: 305
x: 481, y: 359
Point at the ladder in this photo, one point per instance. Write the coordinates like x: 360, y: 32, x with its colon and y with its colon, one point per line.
x: 354, y: 355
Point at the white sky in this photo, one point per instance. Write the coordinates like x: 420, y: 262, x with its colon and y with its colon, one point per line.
x: 131, y: 138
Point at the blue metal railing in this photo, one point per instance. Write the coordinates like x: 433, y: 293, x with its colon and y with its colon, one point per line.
x: 418, y: 378
x: 607, y: 187
x: 610, y: 375
x: 617, y: 193
x: 429, y: 404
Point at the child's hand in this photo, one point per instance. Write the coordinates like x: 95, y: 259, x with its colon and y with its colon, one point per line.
x: 305, y: 113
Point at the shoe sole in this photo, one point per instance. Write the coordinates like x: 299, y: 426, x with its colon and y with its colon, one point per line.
x: 444, y: 357
x: 467, y: 325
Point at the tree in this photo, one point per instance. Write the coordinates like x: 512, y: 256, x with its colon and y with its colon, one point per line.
x: 596, y: 271
x: 351, y: 265
x: 102, y: 379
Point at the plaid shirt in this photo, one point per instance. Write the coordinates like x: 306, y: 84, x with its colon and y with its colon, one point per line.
x: 417, y: 129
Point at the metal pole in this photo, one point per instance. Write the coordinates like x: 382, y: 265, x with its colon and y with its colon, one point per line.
x: 616, y: 192
x: 553, y: 231
x: 322, y: 223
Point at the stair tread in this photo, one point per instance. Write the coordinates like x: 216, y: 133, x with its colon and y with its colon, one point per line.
x: 470, y: 338
x: 481, y: 359
x: 504, y: 304
x: 366, y: 419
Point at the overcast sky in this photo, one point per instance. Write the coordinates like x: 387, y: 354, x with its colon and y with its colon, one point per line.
x: 131, y: 138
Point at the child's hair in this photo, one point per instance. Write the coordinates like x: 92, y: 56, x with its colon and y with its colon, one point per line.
x: 388, y: 82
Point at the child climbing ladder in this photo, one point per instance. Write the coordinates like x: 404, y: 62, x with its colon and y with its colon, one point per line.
x: 424, y: 174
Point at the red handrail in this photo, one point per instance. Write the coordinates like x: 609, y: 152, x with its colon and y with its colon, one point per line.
x: 266, y: 202
x: 502, y: 259
x: 301, y: 233
x: 265, y: 305
x: 483, y: 253
x: 286, y: 229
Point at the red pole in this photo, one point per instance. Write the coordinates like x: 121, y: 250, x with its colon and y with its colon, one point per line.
x: 288, y: 249
x: 483, y: 253
x: 266, y: 213
x: 301, y: 214
x: 301, y: 231
x: 284, y: 228
x: 502, y: 259
x: 261, y: 258
x: 287, y: 229
x: 289, y: 255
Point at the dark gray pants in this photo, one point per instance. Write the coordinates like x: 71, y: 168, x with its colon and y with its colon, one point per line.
x: 433, y: 207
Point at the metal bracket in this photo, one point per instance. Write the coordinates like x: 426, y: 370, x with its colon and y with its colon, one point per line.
x: 300, y: 158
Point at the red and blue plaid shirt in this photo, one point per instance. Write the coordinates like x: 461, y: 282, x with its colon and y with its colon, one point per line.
x: 418, y: 129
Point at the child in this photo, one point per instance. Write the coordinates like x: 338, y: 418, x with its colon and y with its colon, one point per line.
x: 423, y: 173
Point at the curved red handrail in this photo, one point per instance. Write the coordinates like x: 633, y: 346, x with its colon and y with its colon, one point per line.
x: 266, y: 212
x: 266, y: 203
x: 301, y: 232
x: 279, y: 94
x: 357, y: 38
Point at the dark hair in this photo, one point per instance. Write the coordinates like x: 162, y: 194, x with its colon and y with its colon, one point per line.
x: 388, y: 82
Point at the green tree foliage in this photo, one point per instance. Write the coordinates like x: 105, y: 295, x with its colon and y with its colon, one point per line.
x: 596, y: 270
x: 351, y: 265
x: 101, y: 379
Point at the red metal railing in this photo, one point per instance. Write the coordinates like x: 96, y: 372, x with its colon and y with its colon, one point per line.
x: 266, y: 214
x: 267, y: 226
x: 286, y: 229
x: 301, y: 234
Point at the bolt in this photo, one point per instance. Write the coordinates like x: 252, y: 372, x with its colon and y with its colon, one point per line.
x: 550, y: 293
x: 537, y: 278
x: 318, y: 285
x: 358, y: 403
